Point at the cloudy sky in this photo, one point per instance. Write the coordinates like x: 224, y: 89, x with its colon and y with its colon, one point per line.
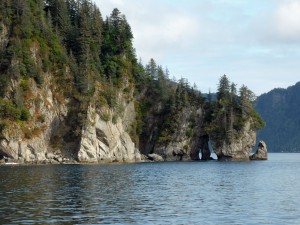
x: 254, y: 42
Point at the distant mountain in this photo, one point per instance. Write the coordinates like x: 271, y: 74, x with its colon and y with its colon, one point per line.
x: 280, y: 109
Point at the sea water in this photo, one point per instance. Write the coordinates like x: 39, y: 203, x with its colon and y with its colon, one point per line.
x: 254, y: 192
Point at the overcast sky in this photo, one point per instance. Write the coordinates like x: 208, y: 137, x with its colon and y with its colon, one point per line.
x: 254, y: 42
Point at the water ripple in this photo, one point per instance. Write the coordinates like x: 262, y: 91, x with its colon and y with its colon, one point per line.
x: 153, y: 193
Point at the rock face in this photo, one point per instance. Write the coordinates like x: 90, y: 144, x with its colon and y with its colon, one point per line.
x: 89, y: 100
x: 107, y: 141
x: 240, y: 148
x: 155, y: 158
x: 172, y: 152
x: 184, y: 144
x: 261, y: 152
x: 33, y: 142
x: 4, y: 33
x: 99, y: 141
x: 53, y: 135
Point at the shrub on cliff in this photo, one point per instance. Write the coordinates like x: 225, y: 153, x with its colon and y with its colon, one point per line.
x: 9, y: 111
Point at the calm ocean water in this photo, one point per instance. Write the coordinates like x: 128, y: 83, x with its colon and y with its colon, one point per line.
x: 266, y: 192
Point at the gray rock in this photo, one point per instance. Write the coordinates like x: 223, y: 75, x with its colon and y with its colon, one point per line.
x: 183, y: 143
x: 145, y: 158
x: 108, y: 141
x: 155, y: 158
x: 11, y: 161
x: 174, y: 151
x: 15, y: 145
x: 4, y: 35
x: 53, y: 161
x: 179, y: 154
x: 50, y: 155
x: 59, y: 159
x: 237, y: 149
x: 261, y: 152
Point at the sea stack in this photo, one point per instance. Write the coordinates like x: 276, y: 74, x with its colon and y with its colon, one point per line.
x: 261, y: 153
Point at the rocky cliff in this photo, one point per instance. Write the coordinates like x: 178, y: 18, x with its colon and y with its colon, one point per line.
x: 72, y: 90
x: 173, y: 124
x: 188, y: 139
x: 237, y: 149
x: 48, y: 138
x: 53, y: 133
x: 108, y: 140
x: 51, y: 108
x: 4, y: 36
x: 36, y: 140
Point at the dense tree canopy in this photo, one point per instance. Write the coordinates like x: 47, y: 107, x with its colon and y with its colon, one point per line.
x: 229, y: 112
x: 70, y: 40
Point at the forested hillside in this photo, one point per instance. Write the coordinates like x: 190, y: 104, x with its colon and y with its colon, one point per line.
x: 280, y: 110
x: 71, y: 87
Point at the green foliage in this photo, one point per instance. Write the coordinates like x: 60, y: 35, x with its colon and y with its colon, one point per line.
x: 139, y: 119
x: 110, y: 95
x: 87, y: 56
x: 24, y: 114
x: 223, y: 88
x: 165, y: 138
x: 189, y: 132
x: 9, y: 111
x: 106, y: 116
x: 24, y: 85
x: 230, y: 112
x: 163, y: 103
x: 117, y: 53
x: 3, y: 84
x: 258, y: 122
x: 3, y: 125
x: 114, y: 119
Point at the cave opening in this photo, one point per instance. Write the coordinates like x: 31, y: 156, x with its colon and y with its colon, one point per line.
x: 206, y: 151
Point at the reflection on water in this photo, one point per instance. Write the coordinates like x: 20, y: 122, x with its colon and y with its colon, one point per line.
x: 153, y: 193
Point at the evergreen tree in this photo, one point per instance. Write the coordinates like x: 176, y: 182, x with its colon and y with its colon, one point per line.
x: 6, y: 11
x: 117, y: 53
x: 247, y: 98
x: 69, y: 41
x: 151, y: 69
x: 232, y: 107
x: 230, y: 111
x: 223, y: 88
x: 60, y: 17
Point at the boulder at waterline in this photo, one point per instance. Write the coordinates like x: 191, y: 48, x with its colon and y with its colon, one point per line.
x: 261, y: 152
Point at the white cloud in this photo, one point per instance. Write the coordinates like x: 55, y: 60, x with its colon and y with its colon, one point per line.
x: 280, y: 25
x: 252, y: 41
x: 172, y: 33
x: 287, y: 19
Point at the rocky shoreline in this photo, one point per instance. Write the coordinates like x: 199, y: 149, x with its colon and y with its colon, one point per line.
x: 55, y: 159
